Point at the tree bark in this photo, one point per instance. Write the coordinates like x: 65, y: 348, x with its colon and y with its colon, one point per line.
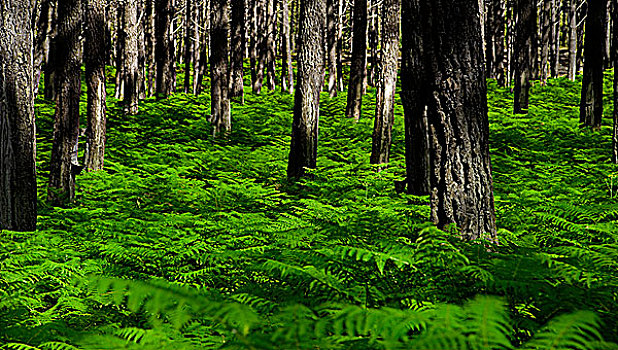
x: 615, y: 59
x: 95, y: 60
x: 41, y: 40
x: 259, y: 45
x: 68, y: 91
x: 572, y: 70
x: 238, y: 51
x: 524, y: 55
x: 151, y: 76
x: 219, y: 74
x: 332, y: 17
x: 358, y: 68
x: 461, y: 181
x: 130, y: 63
x: 386, y: 83
x: 591, y: 105
x: 18, y: 197
x: 495, y: 36
x: 204, y: 50
x: 304, y: 145
x: 189, y: 44
x: 546, y: 24
x: 271, y: 28
x: 164, y: 49
x: 51, y: 62
x: 287, y: 72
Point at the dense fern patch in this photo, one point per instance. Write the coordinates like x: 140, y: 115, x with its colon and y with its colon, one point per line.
x: 184, y: 241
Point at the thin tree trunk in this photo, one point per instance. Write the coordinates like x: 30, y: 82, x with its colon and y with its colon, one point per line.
x: 341, y: 14
x: 150, y: 47
x: 372, y: 39
x: 18, y: 197
x: 461, y: 180
x: 287, y: 72
x: 546, y: 24
x: 615, y: 59
x: 358, y: 68
x: 220, y: 103
x: 572, y: 71
x: 555, y: 38
x: 68, y: 91
x: 495, y: 36
x: 204, y: 51
x: 41, y: 40
x: 238, y: 50
x: 164, y: 49
x: 386, y: 83
x: 332, y: 18
x: 189, y: 45
x: 121, y: 40
x: 130, y: 63
x: 95, y: 60
x: 304, y: 145
x: 51, y: 61
x: 271, y: 18
x: 524, y: 55
x: 591, y: 105
x: 260, y: 45
x: 414, y: 99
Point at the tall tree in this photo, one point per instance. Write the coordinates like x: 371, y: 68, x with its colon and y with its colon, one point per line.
x: 358, y: 67
x: 572, y: 69
x: 164, y: 48
x: 238, y: 50
x: 546, y: 24
x: 494, y: 38
x: 68, y: 91
x: 219, y: 75
x: 304, y: 146
x: 461, y: 181
x: 287, y: 73
x: 591, y: 104
x: 189, y: 42
x: 98, y: 54
x: 130, y: 63
x: 18, y: 200
x: 150, y: 24
x: 271, y: 28
x: 524, y: 53
x: 259, y: 45
x: 332, y: 17
x: 615, y: 59
x: 386, y: 82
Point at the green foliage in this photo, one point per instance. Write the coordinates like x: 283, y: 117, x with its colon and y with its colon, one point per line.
x: 190, y: 242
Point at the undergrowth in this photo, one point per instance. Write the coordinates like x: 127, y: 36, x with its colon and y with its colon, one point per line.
x: 190, y: 242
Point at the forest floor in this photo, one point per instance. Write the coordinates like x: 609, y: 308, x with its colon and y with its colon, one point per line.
x: 185, y: 241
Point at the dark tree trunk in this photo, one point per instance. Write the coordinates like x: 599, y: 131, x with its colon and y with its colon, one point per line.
x: 189, y: 45
x: 524, y: 55
x: 238, y: 51
x: 358, y: 68
x: 494, y: 37
x: 204, y: 51
x: 68, y: 91
x: 591, y: 105
x: 271, y: 28
x: 304, y: 146
x: 219, y: 100
x: 555, y: 38
x: 95, y: 60
x: 572, y: 70
x: 372, y: 39
x: 164, y: 49
x: 287, y: 72
x: 150, y: 47
x: 41, y: 40
x: 615, y: 59
x: 461, y: 181
x: 386, y: 83
x: 51, y: 62
x: 121, y: 40
x: 130, y: 63
x: 546, y: 16
x: 414, y: 99
x: 18, y: 199
x: 259, y: 45
x: 332, y: 18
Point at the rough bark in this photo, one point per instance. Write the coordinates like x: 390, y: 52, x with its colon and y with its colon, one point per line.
x: 495, y: 36
x: 332, y: 17
x: 189, y: 44
x: 68, y: 90
x: 120, y: 51
x: 615, y: 59
x: 204, y: 51
x: 51, y: 61
x: 41, y: 40
x: 372, y: 43
x: 219, y: 75
x: 304, y: 145
x: 238, y: 50
x: 259, y: 39
x: 271, y: 28
x: 386, y: 83
x: 164, y: 49
x: 358, y: 67
x: 461, y: 181
x: 591, y: 105
x: 18, y: 197
x: 524, y: 55
x: 151, y: 76
x: 287, y: 72
x: 546, y: 16
x: 572, y: 69
x: 95, y: 46
x: 414, y: 100
x: 130, y: 63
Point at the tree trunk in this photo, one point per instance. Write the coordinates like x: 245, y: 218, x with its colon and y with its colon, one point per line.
x: 591, y: 105
x: 189, y: 45
x: 572, y: 71
x: 204, y: 51
x: 372, y: 39
x: 414, y: 99
x: 386, y: 82
x: 238, y: 51
x: 358, y: 68
x: 495, y: 35
x: 271, y: 28
x: 524, y: 56
x: 615, y: 59
x: 121, y: 40
x: 51, y: 62
x: 164, y: 49
x: 304, y: 145
x: 18, y: 197
x: 68, y: 91
x: 95, y: 61
x: 130, y: 63
x: 287, y: 72
x: 41, y: 40
x: 461, y: 181
x: 546, y: 24
x: 259, y: 45
x: 555, y: 38
x: 220, y: 103
x: 332, y: 17
x: 150, y: 47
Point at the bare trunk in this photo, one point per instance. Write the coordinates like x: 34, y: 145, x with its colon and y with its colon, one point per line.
x: 358, y: 68
x: 271, y: 28
x: 546, y: 23
x: 572, y: 71
x: 287, y: 72
x: 524, y: 53
x: 164, y: 49
x: 18, y: 197
x: 131, y: 74
x: 304, y: 145
x: 220, y: 103
x: 238, y: 50
x: 332, y: 18
x: 150, y: 45
x: 189, y: 45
